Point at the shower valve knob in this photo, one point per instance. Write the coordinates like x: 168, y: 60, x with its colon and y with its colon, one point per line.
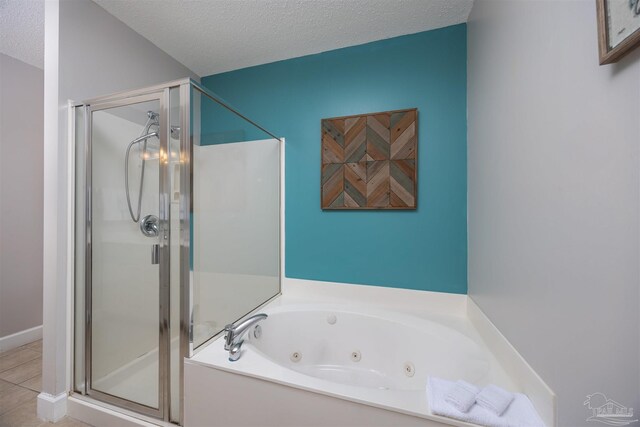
x: 149, y: 226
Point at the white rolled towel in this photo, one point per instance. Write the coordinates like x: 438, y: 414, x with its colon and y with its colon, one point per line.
x: 462, y: 396
x: 520, y: 412
x: 494, y: 399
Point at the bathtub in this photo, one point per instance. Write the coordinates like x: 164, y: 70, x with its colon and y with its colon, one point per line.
x: 373, y: 352
x: 333, y: 363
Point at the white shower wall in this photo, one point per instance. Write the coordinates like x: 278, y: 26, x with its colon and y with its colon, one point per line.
x: 125, y: 284
x: 236, y: 227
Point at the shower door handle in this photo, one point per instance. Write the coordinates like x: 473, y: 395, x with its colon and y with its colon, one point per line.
x: 155, y: 254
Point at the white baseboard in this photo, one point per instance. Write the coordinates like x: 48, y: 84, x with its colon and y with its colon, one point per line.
x: 20, y: 338
x: 52, y: 408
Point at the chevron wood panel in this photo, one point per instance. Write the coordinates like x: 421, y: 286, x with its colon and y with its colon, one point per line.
x: 378, y: 143
x: 355, y: 185
x: 333, y: 141
x: 355, y: 139
x: 333, y: 185
x: 403, y: 135
x: 378, y: 184
x: 369, y: 161
x: 401, y: 183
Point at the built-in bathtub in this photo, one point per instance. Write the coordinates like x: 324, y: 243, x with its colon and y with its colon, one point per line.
x: 323, y: 361
x: 373, y: 351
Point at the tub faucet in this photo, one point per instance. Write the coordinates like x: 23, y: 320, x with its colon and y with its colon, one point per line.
x: 233, y: 335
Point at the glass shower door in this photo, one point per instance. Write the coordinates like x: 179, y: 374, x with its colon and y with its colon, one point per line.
x: 127, y: 255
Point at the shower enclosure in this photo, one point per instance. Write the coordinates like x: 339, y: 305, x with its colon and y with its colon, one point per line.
x: 177, y: 233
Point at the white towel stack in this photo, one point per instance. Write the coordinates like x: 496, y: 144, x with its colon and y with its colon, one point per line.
x: 495, y: 399
x: 518, y: 413
x: 462, y: 396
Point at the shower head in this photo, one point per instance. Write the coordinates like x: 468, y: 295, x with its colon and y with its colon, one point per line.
x: 152, y: 120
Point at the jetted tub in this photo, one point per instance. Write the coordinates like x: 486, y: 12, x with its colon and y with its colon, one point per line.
x: 335, y: 364
x: 371, y: 350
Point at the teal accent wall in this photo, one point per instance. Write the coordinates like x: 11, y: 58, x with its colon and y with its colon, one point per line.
x: 423, y: 249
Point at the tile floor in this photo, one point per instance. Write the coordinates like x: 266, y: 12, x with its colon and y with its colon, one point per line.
x: 20, y: 382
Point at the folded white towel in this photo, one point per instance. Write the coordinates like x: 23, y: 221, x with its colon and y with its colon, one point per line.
x: 495, y: 399
x: 520, y: 412
x: 462, y: 395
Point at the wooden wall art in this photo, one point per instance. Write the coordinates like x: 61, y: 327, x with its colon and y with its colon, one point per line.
x: 369, y: 161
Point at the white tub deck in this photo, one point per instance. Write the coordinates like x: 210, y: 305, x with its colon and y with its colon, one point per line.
x: 261, y: 388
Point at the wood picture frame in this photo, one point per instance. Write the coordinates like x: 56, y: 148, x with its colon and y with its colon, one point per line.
x: 369, y: 161
x: 613, y: 44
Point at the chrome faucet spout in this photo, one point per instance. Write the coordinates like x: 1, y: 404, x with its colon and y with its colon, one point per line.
x: 233, y: 335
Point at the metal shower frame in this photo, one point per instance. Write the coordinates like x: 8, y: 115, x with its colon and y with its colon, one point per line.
x: 160, y: 93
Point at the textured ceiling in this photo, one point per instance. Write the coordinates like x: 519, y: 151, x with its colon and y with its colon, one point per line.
x: 22, y: 30
x: 212, y: 36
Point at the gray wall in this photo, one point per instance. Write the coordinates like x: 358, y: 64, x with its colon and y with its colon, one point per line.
x: 100, y: 55
x: 21, y: 136
x: 553, y: 196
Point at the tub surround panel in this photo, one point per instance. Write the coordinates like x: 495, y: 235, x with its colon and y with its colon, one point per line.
x: 403, y: 300
x: 419, y: 249
x: 263, y: 406
x: 525, y: 378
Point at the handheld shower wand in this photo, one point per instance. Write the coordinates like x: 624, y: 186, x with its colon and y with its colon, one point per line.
x: 144, y: 138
